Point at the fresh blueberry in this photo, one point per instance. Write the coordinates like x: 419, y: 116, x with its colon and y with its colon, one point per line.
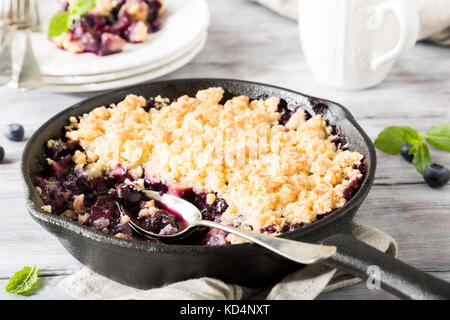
x: 2, y: 154
x: 436, y: 175
x: 14, y: 132
x: 404, y: 151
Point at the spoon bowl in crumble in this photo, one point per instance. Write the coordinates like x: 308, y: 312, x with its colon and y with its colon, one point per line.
x: 102, y: 241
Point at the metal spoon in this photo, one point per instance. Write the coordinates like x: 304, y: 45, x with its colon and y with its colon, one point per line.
x: 297, y: 251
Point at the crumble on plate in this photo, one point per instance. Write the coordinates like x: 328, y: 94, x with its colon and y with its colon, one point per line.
x: 253, y: 164
x: 109, y: 25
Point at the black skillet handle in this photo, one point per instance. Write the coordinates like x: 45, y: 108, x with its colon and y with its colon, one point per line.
x: 396, y: 277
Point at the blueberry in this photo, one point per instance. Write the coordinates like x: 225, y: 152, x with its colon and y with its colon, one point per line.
x: 269, y: 229
x: 160, y: 220
x: 2, y: 154
x: 436, y: 175
x: 127, y: 194
x: 404, y: 151
x: 14, y: 132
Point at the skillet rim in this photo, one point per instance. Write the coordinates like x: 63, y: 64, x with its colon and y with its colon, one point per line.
x: 36, y: 212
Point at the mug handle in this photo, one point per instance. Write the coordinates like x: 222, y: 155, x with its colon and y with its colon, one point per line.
x: 409, y: 29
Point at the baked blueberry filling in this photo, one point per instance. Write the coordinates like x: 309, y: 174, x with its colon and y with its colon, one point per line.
x: 62, y: 186
x: 105, y: 29
x: 67, y: 189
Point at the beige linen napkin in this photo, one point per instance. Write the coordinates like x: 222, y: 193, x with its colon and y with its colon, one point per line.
x: 434, y: 16
x: 305, y: 284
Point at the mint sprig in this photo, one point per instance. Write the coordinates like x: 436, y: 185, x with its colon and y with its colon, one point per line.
x: 391, y: 139
x: 23, y: 281
x: 62, y: 21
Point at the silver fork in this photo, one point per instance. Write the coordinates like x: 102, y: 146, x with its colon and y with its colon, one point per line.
x: 30, y: 76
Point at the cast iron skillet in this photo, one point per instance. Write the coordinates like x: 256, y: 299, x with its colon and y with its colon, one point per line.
x: 146, y: 265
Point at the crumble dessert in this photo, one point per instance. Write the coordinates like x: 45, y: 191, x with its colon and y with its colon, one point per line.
x: 253, y: 164
x: 106, y: 28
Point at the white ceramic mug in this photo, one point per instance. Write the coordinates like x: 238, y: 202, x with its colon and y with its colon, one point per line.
x: 353, y: 44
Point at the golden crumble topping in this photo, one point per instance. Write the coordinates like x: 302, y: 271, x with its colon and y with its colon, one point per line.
x: 269, y: 174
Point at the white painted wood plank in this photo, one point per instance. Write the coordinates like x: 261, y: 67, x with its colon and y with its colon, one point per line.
x: 45, y: 289
x: 417, y: 217
x: 24, y: 242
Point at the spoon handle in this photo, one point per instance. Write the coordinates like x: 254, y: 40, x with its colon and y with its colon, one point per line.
x: 301, y: 252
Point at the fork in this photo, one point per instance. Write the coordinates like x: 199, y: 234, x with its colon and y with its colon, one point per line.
x: 8, y: 14
x: 22, y: 15
x: 30, y: 77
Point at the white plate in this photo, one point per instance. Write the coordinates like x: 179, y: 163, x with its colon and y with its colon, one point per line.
x: 138, y: 78
x: 84, y: 79
x: 183, y: 23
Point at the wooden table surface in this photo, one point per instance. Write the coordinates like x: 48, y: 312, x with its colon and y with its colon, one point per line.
x: 249, y: 42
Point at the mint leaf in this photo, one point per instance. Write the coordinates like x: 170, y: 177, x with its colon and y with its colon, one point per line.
x: 74, y: 14
x: 59, y: 23
x: 62, y: 22
x: 411, y: 136
x: 439, y: 136
x: 421, y: 156
x: 391, y: 138
x: 81, y: 7
x: 23, y: 281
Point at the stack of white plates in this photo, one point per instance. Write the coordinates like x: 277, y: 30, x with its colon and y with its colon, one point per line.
x: 181, y: 38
